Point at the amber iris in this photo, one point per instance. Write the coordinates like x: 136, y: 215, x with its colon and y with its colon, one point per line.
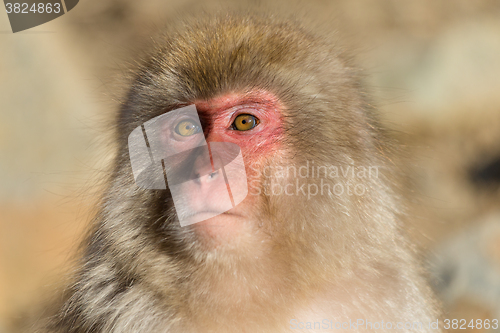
x: 245, y: 122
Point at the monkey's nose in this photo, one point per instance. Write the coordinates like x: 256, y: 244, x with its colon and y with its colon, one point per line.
x: 213, y: 175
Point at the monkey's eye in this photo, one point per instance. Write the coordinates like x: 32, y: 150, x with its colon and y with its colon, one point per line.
x: 245, y: 122
x: 187, y: 128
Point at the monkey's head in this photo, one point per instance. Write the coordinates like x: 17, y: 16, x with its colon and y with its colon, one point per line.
x: 294, y: 106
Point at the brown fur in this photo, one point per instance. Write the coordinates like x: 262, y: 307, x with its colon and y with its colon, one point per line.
x: 337, y: 257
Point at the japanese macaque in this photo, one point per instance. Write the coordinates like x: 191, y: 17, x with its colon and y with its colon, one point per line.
x: 315, y: 244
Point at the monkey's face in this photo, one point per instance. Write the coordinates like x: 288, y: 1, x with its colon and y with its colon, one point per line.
x: 259, y: 97
x: 210, y: 152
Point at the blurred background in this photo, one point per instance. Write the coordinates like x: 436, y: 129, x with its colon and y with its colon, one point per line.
x: 432, y: 67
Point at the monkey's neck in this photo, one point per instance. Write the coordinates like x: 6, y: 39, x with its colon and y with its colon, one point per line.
x: 222, y: 294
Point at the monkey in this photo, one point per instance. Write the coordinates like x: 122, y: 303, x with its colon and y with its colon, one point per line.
x: 315, y: 243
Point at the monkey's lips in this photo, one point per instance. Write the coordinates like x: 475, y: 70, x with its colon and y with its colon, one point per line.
x: 209, y: 216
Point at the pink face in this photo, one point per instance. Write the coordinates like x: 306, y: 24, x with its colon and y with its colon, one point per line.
x: 257, y: 144
x: 212, y: 154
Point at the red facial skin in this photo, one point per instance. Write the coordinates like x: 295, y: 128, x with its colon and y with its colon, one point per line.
x: 256, y: 144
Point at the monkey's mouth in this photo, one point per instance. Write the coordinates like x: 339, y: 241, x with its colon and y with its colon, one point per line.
x: 204, y: 215
x: 221, y: 228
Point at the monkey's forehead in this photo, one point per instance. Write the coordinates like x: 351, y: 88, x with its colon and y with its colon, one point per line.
x: 228, y: 53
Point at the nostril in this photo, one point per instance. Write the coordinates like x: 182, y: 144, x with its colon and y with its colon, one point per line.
x: 213, y: 175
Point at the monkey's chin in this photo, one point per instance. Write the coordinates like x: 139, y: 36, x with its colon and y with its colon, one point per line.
x: 223, y: 229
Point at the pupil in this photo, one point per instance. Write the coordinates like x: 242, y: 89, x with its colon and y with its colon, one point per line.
x: 244, y: 122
